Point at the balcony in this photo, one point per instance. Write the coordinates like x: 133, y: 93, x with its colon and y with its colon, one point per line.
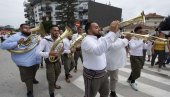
x: 85, y: 17
x: 26, y: 10
x: 47, y: 9
x: 26, y: 15
x: 26, y: 4
x: 30, y: 0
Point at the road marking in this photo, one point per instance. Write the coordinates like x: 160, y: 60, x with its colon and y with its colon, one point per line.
x: 149, y: 76
x: 165, y: 72
x: 147, y: 89
x: 79, y: 82
x: 58, y: 95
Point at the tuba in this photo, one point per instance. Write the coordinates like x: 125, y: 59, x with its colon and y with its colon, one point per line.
x: 31, y: 42
x: 76, y: 43
x: 58, y: 46
x: 39, y: 30
x: 138, y: 19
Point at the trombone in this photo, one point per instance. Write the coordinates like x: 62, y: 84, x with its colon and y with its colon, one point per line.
x: 138, y: 19
x: 144, y: 37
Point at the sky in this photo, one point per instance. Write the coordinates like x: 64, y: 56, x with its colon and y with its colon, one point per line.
x: 12, y: 11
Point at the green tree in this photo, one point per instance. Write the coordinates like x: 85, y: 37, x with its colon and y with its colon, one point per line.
x: 67, y: 14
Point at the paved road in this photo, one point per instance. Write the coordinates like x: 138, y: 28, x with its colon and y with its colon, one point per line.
x: 151, y: 83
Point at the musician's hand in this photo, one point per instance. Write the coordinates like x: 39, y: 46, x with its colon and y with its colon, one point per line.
x: 128, y: 37
x: 62, y: 50
x: 53, y: 53
x: 73, y: 50
x: 114, y: 26
x: 21, y: 41
x: 144, y: 41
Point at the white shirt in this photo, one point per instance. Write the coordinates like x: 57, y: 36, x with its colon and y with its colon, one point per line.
x: 45, y: 46
x: 67, y: 45
x: 75, y: 36
x: 116, y: 55
x: 149, y: 45
x: 137, y: 46
x: 93, y: 50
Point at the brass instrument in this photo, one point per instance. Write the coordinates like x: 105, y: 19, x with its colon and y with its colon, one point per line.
x: 76, y: 43
x: 144, y: 37
x: 38, y: 30
x: 138, y: 19
x: 31, y: 42
x: 66, y: 33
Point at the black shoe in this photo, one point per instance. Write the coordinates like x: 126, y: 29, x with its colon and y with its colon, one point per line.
x: 30, y: 94
x: 51, y: 94
x: 35, y: 81
x: 70, y: 76
x: 75, y: 70
x: 41, y: 66
x: 113, y: 94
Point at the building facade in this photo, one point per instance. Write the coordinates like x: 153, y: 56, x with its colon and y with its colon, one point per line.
x: 152, y: 20
x: 35, y: 10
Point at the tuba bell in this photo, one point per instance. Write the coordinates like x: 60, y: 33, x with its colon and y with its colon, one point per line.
x: 57, y: 44
x: 31, y: 42
x: 77, y: 41
x: 39, y: 30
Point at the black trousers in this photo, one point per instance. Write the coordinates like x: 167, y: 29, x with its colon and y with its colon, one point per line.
x: 53, y: 70
x: 27, y: 75
x: 69, y: 64
x: 161, y: 57
x: 136, y: 66
x: 77, y: 55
